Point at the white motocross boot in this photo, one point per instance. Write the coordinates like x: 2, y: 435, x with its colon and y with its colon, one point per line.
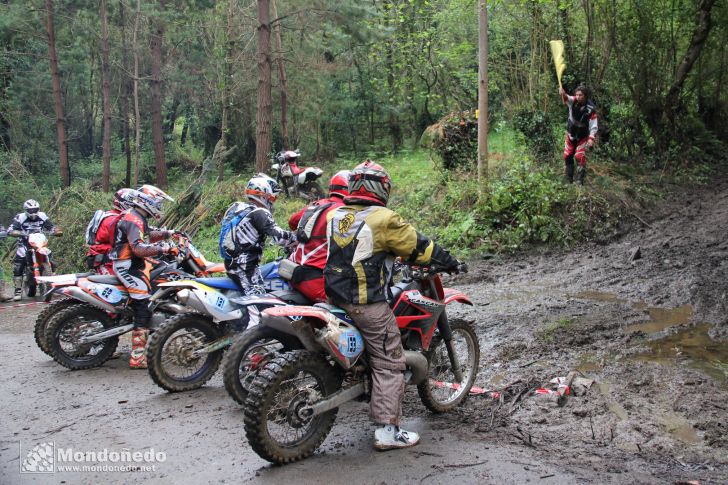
x: 390, y: 437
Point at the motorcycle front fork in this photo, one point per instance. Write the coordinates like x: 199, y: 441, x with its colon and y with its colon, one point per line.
x: 446, y: 333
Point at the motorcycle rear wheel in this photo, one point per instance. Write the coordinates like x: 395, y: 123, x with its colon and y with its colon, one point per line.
x: 173, y: 344
x: 62, y: 333
x: 439, y: 392
x: 41, y: 322
x: 251, y: 351
x: 275, y: 403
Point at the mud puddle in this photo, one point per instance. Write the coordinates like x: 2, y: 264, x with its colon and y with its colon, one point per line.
x: 693, y: 345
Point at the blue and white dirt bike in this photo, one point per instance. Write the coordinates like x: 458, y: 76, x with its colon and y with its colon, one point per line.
x: 187, y: 349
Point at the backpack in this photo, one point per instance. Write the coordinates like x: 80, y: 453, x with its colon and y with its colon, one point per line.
x: 93, y: 226
x: 228, y: 244
x: 304, y: 231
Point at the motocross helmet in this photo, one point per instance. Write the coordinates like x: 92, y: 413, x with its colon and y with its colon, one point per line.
x: 370, y: 182
x: 339, y: 184
x: 153, y: 191
x: 262, y: 189
x: 147, y: 203
x: 288, y: 155
x: 122, y: 199
x: 31, y: 208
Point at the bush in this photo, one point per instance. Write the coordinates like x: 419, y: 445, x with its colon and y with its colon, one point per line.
x: 537, y: 128
x: 455, y: 139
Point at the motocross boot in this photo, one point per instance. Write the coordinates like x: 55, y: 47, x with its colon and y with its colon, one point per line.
x: 18, y: 281
x: 569, y: 172
x: 580, y: 174
x: 390, y: 437
x: 138, y: 357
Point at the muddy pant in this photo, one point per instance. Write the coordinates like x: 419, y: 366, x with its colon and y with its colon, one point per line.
x: 135, y: 276
x: 386, y: 356
x: 246, y: 275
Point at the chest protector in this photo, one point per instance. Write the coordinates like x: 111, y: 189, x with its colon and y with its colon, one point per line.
x: 578, y: 124
x: 354, y: 273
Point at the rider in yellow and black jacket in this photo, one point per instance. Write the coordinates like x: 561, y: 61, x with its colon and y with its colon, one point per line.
x: 364, y: 238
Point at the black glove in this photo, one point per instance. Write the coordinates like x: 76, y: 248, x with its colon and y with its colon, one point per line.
x: 461, y: 268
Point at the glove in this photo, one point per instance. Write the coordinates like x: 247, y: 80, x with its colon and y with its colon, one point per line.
x: 58, y: 233
x: 166, y: 248
x: 462, y: 268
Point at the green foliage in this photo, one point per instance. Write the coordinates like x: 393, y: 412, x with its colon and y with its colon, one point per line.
x: 537, y: 128
x: 455, y: 140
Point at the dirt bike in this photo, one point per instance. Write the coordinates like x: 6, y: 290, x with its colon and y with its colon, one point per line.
x: 38, y: 255
x: 186, y: 351
x: 188, y: 261
x: 297, y: 181
x: 293, y: 399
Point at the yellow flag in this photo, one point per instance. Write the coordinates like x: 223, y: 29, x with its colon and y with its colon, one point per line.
x: 557, y: 52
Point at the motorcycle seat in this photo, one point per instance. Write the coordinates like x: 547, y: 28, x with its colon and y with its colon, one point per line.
x: 221, y: 283
x: 105, y: 279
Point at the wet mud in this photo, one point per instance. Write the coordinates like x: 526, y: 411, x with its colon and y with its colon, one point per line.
x: 647, y: 338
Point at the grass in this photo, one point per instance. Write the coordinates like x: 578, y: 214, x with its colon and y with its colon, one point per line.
x: 552, y: 330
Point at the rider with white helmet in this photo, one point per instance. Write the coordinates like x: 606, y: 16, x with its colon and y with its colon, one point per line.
x: 253, y: 223
x: 30, y: 221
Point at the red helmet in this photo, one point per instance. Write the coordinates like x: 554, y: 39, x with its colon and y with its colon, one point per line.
x: 369, y: 181
x: 339, y: 183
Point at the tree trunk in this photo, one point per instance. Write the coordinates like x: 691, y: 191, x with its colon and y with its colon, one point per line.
x: 126, y: 93
x: 263, y: 115
x: 227, y: 75
x: 483, y: 97
x: 281, y: 75
x: 56, y: 78
x: 137, y: 120
x: 106, y: 144
x: 156, y: 100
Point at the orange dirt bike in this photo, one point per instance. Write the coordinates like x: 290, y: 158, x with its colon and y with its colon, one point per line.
x: 293, y: 397
x: 68, y: 327
x: 38, y: 255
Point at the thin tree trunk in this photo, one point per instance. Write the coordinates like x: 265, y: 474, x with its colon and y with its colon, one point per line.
x: 156, y: 101
x: 227, y: 74
x: 126, y: 93
x: 281, y: 75
x: 137, y: 120
x: 106, y: 144
x: 483, y: 97
x: 264, y: 111
x: 56, y: 78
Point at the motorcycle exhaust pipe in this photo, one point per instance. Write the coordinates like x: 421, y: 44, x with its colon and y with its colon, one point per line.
x: 79, y: 294
x: 417, y: 366
x: 112, y: 332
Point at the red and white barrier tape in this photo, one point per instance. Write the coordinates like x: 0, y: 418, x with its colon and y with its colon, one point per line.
x: 18, y: 305
x: 473, y: 390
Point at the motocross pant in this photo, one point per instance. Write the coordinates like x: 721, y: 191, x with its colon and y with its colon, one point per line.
x: 574, y: 150
x: 134, y: 275
x: 383, y: 344
x: 246, y: 275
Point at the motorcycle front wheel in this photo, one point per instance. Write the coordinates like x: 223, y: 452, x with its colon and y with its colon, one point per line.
x: 440, y: 392
x: 250, y: 352
x: 65, y: 329
x: 41, y: 322
x: 278, y: 426
x: 172, y: 358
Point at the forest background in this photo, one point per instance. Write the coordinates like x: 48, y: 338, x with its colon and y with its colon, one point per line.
x: 98, y: 95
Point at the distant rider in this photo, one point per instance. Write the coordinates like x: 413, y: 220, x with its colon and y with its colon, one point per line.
x: 364, y: 237
x: 3, y: 296
x: 28, y: 222
x: 581, y: 131
x: 253, y: 223
x: 312, y: 248
x: 131, y: 248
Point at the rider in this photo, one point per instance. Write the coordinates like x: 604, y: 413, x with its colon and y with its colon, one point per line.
x: 581, y: 131
x: 311, y: 251
x: 97, y: 256
x: 249, y: 234
x: 131, y: 248
x: 30, y: 221
x: 364, y: 237
x: 3, y: 296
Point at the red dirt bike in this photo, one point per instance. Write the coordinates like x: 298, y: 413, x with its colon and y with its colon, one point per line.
x: 81, y: 331
x: 292, y: 398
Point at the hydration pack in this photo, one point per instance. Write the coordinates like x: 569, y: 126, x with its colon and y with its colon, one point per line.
x: 93, y: 227
x: 229, y: 247
x: 304, y: 231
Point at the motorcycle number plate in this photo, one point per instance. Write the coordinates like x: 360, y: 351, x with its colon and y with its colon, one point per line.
x: 109, y: 293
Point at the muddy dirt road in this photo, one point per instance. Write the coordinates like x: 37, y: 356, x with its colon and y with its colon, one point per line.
x: 649, y: 329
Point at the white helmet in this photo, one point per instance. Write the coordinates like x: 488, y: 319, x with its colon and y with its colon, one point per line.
x: 262, y: 189
x: 122, y: 199
x: 288, y: 155
x: 147, y: 203
x: 31, y: 208
x: 153, y: 191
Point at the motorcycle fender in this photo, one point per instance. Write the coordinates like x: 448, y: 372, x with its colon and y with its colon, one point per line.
x: 286, y: 325
x: 58, y: 280
x: 213, y: 303
x: 452, y: 295
x: 44, y: 251
x: 185, y: 284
